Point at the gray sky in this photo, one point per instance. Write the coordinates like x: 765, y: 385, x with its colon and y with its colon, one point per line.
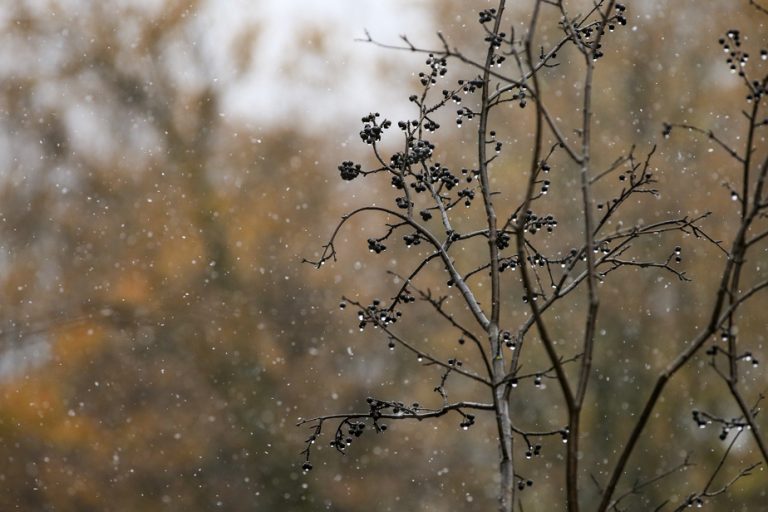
x: 292, y: 75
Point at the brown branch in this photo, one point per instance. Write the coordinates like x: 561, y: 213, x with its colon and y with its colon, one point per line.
x: 749, y: 417
x: 757, y: 6
x: 372, y: 316
x: 437, y: 305
x: 671, y: 369
x: 329, y: 252
x: 638, y: 487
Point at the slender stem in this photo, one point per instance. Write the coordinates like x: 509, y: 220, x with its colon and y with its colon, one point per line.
x: 536, y: 313
x: 574, y: 416
x: 503, y: 422
x: 749, y: 417
x: 421, y: 415
x: 672, y: 368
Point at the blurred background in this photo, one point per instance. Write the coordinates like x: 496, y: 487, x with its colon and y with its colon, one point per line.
x: 166, y: 165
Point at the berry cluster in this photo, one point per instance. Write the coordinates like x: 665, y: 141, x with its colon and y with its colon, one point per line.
x: 403, y: 203
x: 411, y: 240
x: 438, y: 68
x: 470, y: 86
x: 440, y: 173
x: 495, y: 40
x: 487, y: 15
x: 508, y: 263
x: 502, y: 240
x: 378, y: 316
x: 376, y: 246
x: 737, y: 60
x: 703, y: 419
x: 421, y: 150
x: 468, y: 195
x: 533, y: 223
x: 349, y: 170
x: 537, y: 260
x: 584, y: 36
x: 469, y: 420
x: 533, y: 451
x: 522, y: 484
x: 341, y: 441
x: 620, y: 17
x: 371, y: 132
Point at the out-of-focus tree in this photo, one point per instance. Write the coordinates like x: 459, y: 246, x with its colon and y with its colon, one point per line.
x: 142, y: 233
